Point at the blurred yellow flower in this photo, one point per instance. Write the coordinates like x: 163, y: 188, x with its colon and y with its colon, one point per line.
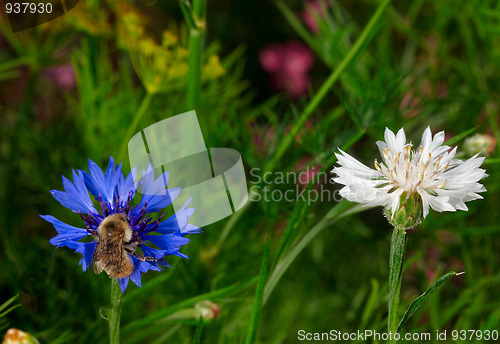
x: 213, y: 69
x: 163, y: 67
x: 90, y: 17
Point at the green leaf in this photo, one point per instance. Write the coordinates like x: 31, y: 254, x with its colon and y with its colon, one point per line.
x: 7, y: 304
x: 257, y: 302
x: 371, y: 303
x: 421, y: 299
x: 198, y: 332
x: 491, y: 161
x: 460, y: 136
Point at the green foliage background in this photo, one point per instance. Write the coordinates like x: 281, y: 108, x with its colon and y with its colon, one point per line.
x: 442, y: 55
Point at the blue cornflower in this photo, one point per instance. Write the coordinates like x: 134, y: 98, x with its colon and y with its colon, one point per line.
x: 114, y: 193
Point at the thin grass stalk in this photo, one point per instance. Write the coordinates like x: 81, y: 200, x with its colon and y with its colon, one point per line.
x: 196, y: 41
x: 133, y: 127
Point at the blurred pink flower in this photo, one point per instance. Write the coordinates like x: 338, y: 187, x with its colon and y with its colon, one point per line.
x: 288, y: 64
x: 312, y: 11
x: 63, y: 76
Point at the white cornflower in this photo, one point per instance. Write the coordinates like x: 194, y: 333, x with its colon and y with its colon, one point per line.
x: 427, y: 176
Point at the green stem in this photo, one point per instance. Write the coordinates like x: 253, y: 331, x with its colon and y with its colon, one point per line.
x: 133, y: 127
x: 196, y: 36
x: 115, y: 312
x: 398, y: 245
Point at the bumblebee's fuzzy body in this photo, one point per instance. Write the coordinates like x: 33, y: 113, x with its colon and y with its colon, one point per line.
x: 113, y: 236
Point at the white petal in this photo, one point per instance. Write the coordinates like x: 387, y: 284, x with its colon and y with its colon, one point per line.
x: 426, y: 141
x: 400, y: 140
x: 425, y: 201
x: 437, y: 141
x: 381, y: 146
x: 395, y: 198
x: 390, y: 139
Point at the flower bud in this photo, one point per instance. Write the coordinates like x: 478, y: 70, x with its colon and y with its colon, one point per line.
x: 15, y: 336
x: 482, y: 143
x: 207, y: 310
x: 409, y: 212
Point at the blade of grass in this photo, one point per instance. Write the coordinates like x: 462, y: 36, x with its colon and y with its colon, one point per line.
x: 198, y: 332
x: 491, y: 161
x: 133, y: 127
x: 216, y: 294
x: 253, y: 324
x: 460, y: 136
x: 422, y: 298
x: 342, y: 209
x: 371, y: 303
x: 298, y: 26
x: 6, y: 304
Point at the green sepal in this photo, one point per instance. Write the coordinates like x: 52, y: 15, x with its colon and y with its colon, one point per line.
x: 409, y: 212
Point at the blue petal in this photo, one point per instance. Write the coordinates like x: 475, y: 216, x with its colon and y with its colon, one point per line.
x: 177, y: 221
x: 179, y: 254
x: 159, y: 201
x: 167, y: 241
x: 102, y: 184
x: 76, y: 196
x: 146, y: 266
x: 126, y: 186
x: 155, y: 192
x: 153, y: 252
x: 95, y: 180
x: 66, y: 232
x: 135, y: 276
x: 61, y: 227
x: 86, y: 249
x: 111, y: 178
x: 190, y: 229
x: 152, y: 186
x: 123, y: 283
x: 61, y: 240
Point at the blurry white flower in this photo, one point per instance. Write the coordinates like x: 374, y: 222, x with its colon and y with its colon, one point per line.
x: 482, y: 143
x: 411, y: 179
x: 207, y: 310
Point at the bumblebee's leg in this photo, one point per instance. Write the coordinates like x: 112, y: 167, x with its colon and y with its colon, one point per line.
x: 136, y: 241
x: 139, y: 256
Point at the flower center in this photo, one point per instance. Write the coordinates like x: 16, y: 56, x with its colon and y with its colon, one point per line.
x: 411, y: 170
x: 139, y: 220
